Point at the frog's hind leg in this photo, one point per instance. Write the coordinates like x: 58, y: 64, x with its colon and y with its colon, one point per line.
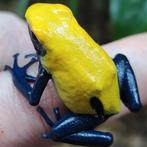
x: 76, y: 129
x: 127, y: 82
x: 89, y: 138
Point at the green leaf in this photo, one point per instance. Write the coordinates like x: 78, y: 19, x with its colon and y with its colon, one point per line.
x: 128, y: 17
x: 73, y: 4
x: 21, y: 7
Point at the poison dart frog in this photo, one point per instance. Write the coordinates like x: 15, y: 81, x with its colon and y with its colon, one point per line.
x: 88, y: 81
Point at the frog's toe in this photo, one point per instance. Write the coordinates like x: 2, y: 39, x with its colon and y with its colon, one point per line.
x: 15, y: 64
x: 6, y: 67
x: 21, y: 72
x: 31, y: 55
x: 32, y: 61
x: 30, y: 78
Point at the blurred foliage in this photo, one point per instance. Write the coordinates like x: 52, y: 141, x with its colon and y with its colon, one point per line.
x: 7, y: 4
x: 21, y: 7
x: 104, y: 20
x: 92, y: 15
x: 128, y: 17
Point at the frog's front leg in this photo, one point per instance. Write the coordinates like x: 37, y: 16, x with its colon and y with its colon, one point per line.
x: 21, y: 80
x: 127, y: 83
x: 77, y: 129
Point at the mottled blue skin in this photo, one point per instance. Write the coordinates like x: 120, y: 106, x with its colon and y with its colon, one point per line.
x: 75, y: 128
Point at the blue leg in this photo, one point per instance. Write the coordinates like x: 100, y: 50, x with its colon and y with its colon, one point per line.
x: 89, y: 138
x: 77, y: 129
x: 72, y: 123
x: 20, y: 79
x: 127, y: 82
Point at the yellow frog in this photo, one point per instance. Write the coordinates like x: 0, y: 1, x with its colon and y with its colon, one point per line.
x: 87, y: 80
x: 80, y: 68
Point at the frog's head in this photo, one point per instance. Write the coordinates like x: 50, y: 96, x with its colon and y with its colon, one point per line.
x: 47, y: 23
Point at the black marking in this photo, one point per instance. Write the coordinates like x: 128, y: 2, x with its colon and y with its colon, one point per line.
x: 45, y: 116
x: 97, y: 106
x: 37, y: 45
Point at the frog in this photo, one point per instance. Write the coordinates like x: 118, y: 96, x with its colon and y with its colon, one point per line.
x: 89, y: 82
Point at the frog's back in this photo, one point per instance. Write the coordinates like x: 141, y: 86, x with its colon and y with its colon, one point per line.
x: 81, y: 69
x: 85, y: 71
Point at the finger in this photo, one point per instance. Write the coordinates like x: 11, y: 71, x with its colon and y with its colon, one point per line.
x: 129, y: 46
x: 14, y: 38
x: 135, y: 48
x: 21, y: 125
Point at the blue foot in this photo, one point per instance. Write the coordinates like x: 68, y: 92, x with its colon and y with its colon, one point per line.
x: 21, y: 79
x: 20, y: 73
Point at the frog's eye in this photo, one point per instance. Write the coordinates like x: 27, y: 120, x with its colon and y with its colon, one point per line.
x: 37, y: 45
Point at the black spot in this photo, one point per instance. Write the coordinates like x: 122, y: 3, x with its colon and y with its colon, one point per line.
x: 97, y: 106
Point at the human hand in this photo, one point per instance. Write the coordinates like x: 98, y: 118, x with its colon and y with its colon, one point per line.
x: 21, y: 125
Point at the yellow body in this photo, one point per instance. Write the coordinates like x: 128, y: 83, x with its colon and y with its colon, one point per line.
x: 80, y: 67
